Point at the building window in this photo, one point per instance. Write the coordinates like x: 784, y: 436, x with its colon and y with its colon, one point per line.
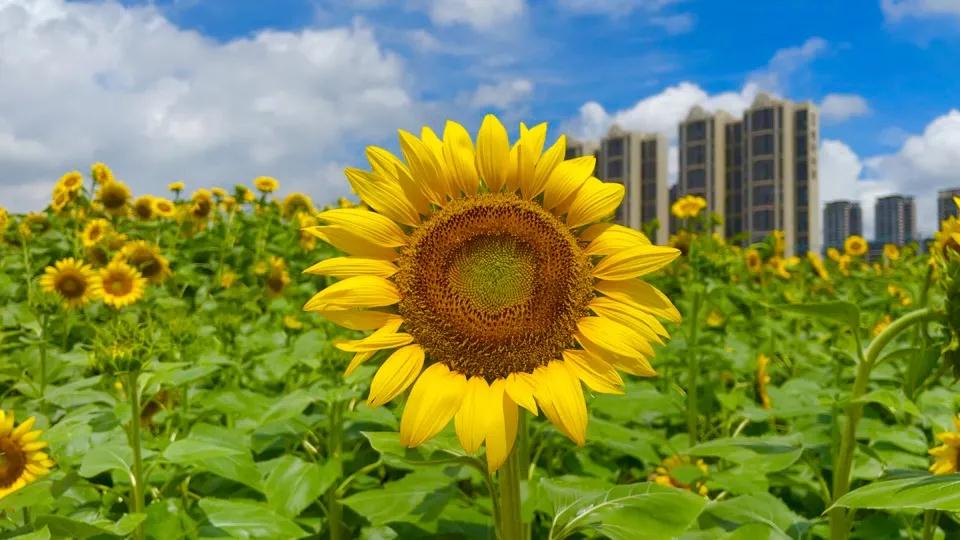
x: 801, y: 146
x: 572, y: 152
x: 696, y: 154
x: 614, y: 169
x: 763, y: 145
x: 763, y: 220
x: 801, y: 120
x: 614, y: 147
x: 696, y: 131
x: 696, y: 178
x: 763, y: 169
x: 762, y: 119
x: 802, y: 171
x: 802, y: 197
x: 802, y: 222
x: 763, y: 195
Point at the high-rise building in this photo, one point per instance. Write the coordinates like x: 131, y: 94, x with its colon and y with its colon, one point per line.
x: 703, y: 157
x: 840, y: 220
x: 945, y: 205
x: 806, y: 180
x: 639, y: 162
x: 896, y: 220
x: 577, y: 148
x: 734, y: 222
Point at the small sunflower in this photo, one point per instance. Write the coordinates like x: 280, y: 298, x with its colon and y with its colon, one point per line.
x: 176, y: 187
x: 779, y: 240
x: 855, y: 246
x: 818, y: 267
x: 227, y: 279
x: 891, y: 252
x: 291, y: 322
x: 833, y: 254
x: 688, y: 206
x: 146, y: 258
x: 229, y: 203
x: 266, y: 184
x: 60, y: 200
x: 218, y: 192
x: 114, y: 196
x: 163, y: 207
x: 71, y: 182
x: 22, y: 459
x: 881, y: 324
x: 780, y: 266
x: 121, y: 284
x: 715, y: 319
x: 248, y: 196
x: 694, y: 474
x: 143, y: 207
x: 763, y: 379
x: 945, y: 456
x: 296, y: 203
x: 754, y: 261
x: 100, y: 173
x: 202, y: 204
x: 494, y: 257
x: 72, y: 280
x: 948, y: 237
x: 307, y: 240
x: 277, y: 276
x: 4, y: 219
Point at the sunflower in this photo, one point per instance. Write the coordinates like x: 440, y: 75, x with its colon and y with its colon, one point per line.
x: 266, y: 184
x: 277, y: 276
x: 202, y: 204
x: 779, y: 243
x: 143, y: 207
x: 122, y: 284
x: 715, y: 319
x: 833, y: 254
x: 61, y: 198
x: 248, y: 196
x: 4, y: 219
x: 100, y: 173
x: 948, y: 237
x: 22, y: 459
x: 114, y: 196
x: 146, y: 258
x: 494, y: 258
x: 227, y: 279
x: 855, y: 246
x: 71, y: 182
x: 218, y: 192
x: 666, y: 474
x: 296, y: 203
x: 891, y: 252
x: 754, y: 261
x: 945, y: 456
x: 844, y: 264
x: 229, y: 203
x: 163, y: 207
x: 176, y: 187
x: 688, y: 206
x: 307, y: 240
x: 881, y: 324
x: 291, y: 322
x: 72, y: 280
x: 818, y: 267
x: 763, y: 379
x: 35, y: 223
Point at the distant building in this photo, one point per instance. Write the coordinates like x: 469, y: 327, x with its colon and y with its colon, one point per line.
x: 840, y: 220
x: 896, y: 220
x: 674, y: 195
x: 734, y: 220
x: 703, y: 157
x: 945, y: 205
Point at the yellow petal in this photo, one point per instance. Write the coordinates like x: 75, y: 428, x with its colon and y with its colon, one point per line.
x: 460, y: 157
x: 343, y: 267
x: 356, y: 319
x: 387, y: 165
x: 6, y: 422
x: 634, y: 262
x: 566, y: 178
x: 474, y: 414
x: 610, y: 238
x: 384, y: 196
x: 395, y: 374
x: 374, y: 342
x: 357, y: 360
x: 520, y: 388
x: 594, y: 201
x: 430, y: 139
x: 355, y: 292
x: 493, y: 153
x: 560, y: 397
x: 350, y: 242
x: 641, y: 295
x: 424, y: 168
x: 435, y: 398
x: 531, y: 146
x: 376, y: 228
x: 643, y: 323
x: 615, y: 344
x: 502, y: 427
x: 535, y: 184
x: 23, y: 428
x: 595, y: 373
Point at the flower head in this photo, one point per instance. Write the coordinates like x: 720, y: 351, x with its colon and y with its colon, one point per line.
x: 945, y: 456
x: 122, y: 284
x: 94, y: 231
x: 754, y: 261
x: 510, y: 288
x: 72, y: 280
x: 143, y: 207
x: 22, y: 459
x: 763, y: 379
x: 833, y: 254
x: 818, y: 267
x: 670, y: 470
x: 266, y: 184
x: 688, y: 206
x: 146, y: 258
x: 71, y: 182
x: 855, y: 246
x: 163, y: 207
x: 277, y: 276
x: 100, y: 173
x: 176, y: 187
x: 114, y: 196
x: 296, y: 203
x: 891, y: 252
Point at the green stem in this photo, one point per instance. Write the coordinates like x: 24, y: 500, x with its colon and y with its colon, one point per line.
x: 334, y: 448
x: 136, y: 475
x: 43, y: 354
x: 511, y: 518
x: 693, y: 412
x: 930, y: 519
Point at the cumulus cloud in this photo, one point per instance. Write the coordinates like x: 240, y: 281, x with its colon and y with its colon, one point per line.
x: 126, y: 86
x: 897, y: 10
x: 501, y: 95
x: 840, y: 107
x: 479, y: 14
x: 840, y: 178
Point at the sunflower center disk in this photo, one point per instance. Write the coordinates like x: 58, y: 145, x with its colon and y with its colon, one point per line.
x: 13, y: 461
x: 493, y: 285
x: 71, y: 286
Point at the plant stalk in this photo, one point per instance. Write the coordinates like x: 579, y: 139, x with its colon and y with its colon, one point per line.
x: 334, y: 448
x: 136, y: 475
x: 693, y: 413
x: 511, y: 518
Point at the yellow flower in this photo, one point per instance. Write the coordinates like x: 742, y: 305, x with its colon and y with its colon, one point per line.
x: 818, y: 267
x: 227, y: 279
x: 143, y: 207
x: 688, y: 206
x: 114, y: 196
x: 72, y: 280
x: 100, y: 173
x: 218, y: 192
x: 292, y: 323
x: 35, y: 223
x: 948, y: 237
x: 945, y: 455
x: 122, y: 284
x: 667, y: 472
x: 344, y: 202
x: 4, y: 219
x: 754, y: 261
x: 266, y: 184
x: 22, y: 459
x: 715, y: 319
x: 229, y: 203
x: 780, y: 265
x: 307, y: 240
x: 277, y: 277
x: 844, y: 264
x: 855, y: 246
x: 296, y: 203
x: 60, y: 200
x: 891, y: 252
x: 779, y: 243
x: 176, y: 187
x: 94, y: 231
x: 493, y: 256
x: 248, y: 196
x: 146, y: 258
x: 882, y: 324
x: 763, y: 379
x: 202, y: 204
x: 833, y: 254
x: 163, y: 207
x: 71, y: 182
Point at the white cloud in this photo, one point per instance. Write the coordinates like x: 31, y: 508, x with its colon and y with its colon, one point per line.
x: 786, y: 62
x: 672, y: 23
x: 158, y: 103
x: 897, y: 10
x: 840, y: 107
x: 840, y: 178
x: 501, y: 95
x: 479, y: 14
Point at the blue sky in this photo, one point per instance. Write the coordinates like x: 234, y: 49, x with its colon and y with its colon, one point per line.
x: 219, y: 91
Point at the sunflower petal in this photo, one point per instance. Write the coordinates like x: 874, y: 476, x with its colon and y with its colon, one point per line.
x: 357, y: 360
x: 560, y: 396
x: 536, y: 183
x: 642, y: 322
x: 594, y: 201
x: 343, y: 267
x: 434, y: 400
x: 374, y: 342
x: 350, y: 242
x: 610, y: 238
x: 474, y: 414
x: 493, y: 153
x: 356, y: 319
x: 23, y: 428
x: 355, y: 292
x: 520, y: 388
x: 595, y: 373
x: 634, y: 262
x: 615, y: 344
x: 531, y: 146
x: 383, y: 195
x: 376, y: 228
x: 460, y: 157
x: 502, y: 427
x: 642, y: 295
x: 387, y: 165
x: 566, y: 178
x: 395, y: 374
x: 424, y: 167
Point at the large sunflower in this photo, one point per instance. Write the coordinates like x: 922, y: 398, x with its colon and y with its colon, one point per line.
x: 122, y: 284
x: 22, y: 459
x: 163, y: 207
x: 143, y: 207
x: 114, y: 196
x: 72, y: 280
x: 491, y: 272
x: 146, y: 258
x: 855, y: 246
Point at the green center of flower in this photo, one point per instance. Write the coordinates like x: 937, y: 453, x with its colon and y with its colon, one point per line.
x: 494, y: 272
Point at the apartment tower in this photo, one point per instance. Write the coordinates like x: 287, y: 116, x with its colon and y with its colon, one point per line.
x: 945, y: 205
x: 703, y: 157
x: 896, y: 220
x: 840, y: 220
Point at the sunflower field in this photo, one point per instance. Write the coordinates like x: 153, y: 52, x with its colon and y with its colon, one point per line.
x: 468, y: 349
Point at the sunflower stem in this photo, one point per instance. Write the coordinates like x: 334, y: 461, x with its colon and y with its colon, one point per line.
x: 334, y: 508
x: 693, y: 412
x: 43, y: 354
x: 930, y: 519
x: 511, y: 518
x: 136, y: 475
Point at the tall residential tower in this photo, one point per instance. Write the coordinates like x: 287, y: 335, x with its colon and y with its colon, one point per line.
x: 840, y: 220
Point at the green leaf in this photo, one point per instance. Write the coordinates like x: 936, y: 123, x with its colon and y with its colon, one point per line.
x: 841, y: 312
x: 39, y: 534
x: 894, y: 401
x: 760, y: 508
x: 418, y: 496
x: 64, y: 527
x: 192, y: 450
x: 243, y: 519
x: 287, y: 407
x: 768, y: 454
x: 293, y: 484
x: 924, y: 492
x: 107, y: 457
